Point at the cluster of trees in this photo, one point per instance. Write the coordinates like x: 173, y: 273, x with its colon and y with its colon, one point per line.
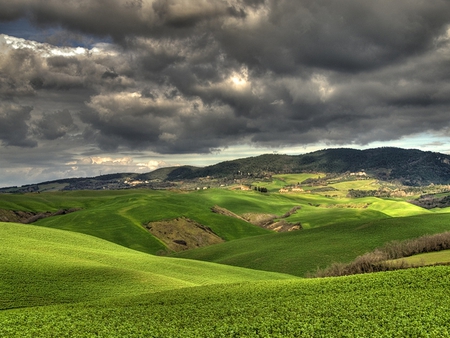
x: 430, y: 202
x: 260, y: 189
x: 320, y: 181
x: 355, y: 193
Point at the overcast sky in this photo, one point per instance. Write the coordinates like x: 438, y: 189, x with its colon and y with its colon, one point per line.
x: 90, y: 87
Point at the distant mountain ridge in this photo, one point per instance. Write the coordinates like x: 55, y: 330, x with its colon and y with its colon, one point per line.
x: 406, y: 166
x: 409, y: 167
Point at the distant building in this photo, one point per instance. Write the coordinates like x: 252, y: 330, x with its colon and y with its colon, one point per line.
x: 360, y: 173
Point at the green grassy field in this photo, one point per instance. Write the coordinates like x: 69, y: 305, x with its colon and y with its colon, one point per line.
x: 279, y: 181
x: 41, y: 266
x: 304, y: 251
x: 292, y: 179
x: 62, y: 284
x: 118, y: 216
x: 429, y: 258
x: 77, y: 275
x: 413, y: 303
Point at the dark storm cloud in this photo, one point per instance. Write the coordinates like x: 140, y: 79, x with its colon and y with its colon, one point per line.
x: 55, y: 125
x: 347, y: 36
x: 120, y: 18
x: 193, y: 76
x: 18, y: 69
x: 14, y: 130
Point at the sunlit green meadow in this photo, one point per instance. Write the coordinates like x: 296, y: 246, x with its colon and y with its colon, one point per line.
x: 300, y: 252
x: 77, y: 275
x: 41, y: 266
x: 408, y: 303
x: 429, y: 258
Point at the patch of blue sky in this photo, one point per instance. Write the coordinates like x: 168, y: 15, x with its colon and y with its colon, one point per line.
x: 57, y: 36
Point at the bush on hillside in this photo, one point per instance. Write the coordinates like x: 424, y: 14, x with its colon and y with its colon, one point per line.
x: 428, y: 243
x: 375, y: 261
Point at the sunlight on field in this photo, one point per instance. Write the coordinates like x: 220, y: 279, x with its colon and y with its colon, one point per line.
x: 282, y: 180
x: 428, y: 258
x: 396, y: 208
x: 295, y: 178
x: 41, y: 266
x: 342, y: 188
x: 408, y: 303
x: 124, y: 292
x: 357, y: 185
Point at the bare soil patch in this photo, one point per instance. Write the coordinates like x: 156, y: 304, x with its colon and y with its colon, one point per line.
x: 27, y: 217
x: 283, y: 226
x: 259, y: 219
x: 222, y: 211
x: 268, y: 221
x: 182, y: 233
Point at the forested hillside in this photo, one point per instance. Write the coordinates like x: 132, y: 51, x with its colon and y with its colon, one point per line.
x: 406, y: 166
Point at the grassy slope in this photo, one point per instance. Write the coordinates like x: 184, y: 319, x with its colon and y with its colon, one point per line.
x: 302, y: 251
x: 117, y: 216
x: 157, y: 296
x: 40, y: 266
x: 316, y: 210
x: 292, y: 179
x: 409, y: 303
x: 55, y: 283
x: 428, y: 258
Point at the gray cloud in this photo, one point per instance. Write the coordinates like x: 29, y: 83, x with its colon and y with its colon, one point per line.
x: 14, y: 130
x: 55, y: 125
x: 184, y: 76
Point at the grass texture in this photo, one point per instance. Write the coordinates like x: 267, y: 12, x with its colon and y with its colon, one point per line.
x: 407, y: 303
x: 300, y: 252
x: 118, y: 216
x: 41, y: 266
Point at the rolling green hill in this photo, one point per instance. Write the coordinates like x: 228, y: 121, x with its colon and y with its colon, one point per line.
x: 60, y: 278
x: 41, y: 266
x: 57, y: 283
x: 143, y: 300
x: 429, y: 258
x: 334, y: 228
x: 300, y: 252
x: 119, y: 216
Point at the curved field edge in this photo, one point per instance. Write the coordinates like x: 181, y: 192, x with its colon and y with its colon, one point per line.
x: 429, y: 258
x: 40, y: 266
x: 119, y: 216
x: 407, y: 303
x: 300, y: 252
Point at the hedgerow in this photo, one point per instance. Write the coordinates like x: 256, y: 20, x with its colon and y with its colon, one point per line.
x: 375, y: 261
